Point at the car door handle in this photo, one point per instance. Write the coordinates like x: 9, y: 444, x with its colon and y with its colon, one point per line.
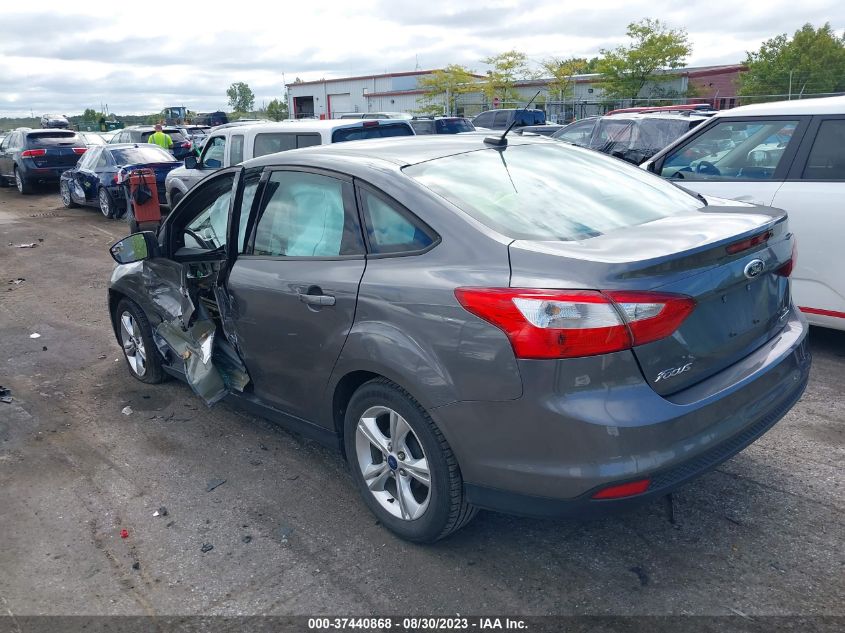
x: 317, y: 300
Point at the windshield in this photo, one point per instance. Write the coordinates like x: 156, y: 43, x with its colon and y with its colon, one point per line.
x: 148, y: 154
x: 551, y: 191
x: 645, y: 135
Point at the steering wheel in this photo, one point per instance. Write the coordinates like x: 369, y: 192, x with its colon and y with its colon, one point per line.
x: 200, y: 240
x: 708, y: 168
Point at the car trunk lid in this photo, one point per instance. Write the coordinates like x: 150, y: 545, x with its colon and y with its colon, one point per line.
x: 61, y: 148
x: 730, y: 263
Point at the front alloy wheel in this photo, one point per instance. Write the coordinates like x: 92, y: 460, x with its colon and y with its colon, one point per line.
x: 133, y: 344
x: 106, y: 204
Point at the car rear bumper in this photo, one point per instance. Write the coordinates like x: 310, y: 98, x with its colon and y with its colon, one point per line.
x: 31, y: 173
x: 586, y: 424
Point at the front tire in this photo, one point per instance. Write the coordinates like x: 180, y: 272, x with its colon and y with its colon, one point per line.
x: 24, y: 187
x: 67, y: 199
x: 136, y: 337
x: 107, y: 205
x: 403, y: 466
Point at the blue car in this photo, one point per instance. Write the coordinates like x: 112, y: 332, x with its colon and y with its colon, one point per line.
x: 101, y: 176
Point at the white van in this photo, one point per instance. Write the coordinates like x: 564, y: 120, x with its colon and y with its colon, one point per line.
x: 233, y: 145
x: 787, y: 154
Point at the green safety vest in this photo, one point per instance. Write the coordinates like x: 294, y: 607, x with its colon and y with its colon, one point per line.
x: 161, y: 139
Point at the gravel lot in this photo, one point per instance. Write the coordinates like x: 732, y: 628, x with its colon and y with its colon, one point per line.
x: 762, y: 535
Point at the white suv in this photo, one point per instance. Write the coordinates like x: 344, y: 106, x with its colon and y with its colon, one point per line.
x: 788, y: 154
x: 227, y: 146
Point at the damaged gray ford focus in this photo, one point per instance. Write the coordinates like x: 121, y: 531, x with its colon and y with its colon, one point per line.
x: 523, y: 326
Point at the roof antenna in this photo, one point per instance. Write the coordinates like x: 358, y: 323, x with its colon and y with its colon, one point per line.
x: 502, y: 141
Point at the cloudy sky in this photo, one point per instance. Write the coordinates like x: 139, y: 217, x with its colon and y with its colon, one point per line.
x: 139, y: 57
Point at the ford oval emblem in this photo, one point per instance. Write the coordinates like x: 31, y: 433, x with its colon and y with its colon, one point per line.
x: 754, y: 268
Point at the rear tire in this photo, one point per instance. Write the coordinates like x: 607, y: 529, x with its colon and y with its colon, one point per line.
x: 67, y: 199
x: 136, y: 336
x: 107, y: 206
x: 24, y: 186
x: 392, y: 438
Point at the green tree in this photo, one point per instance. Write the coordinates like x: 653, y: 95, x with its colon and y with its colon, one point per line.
x: 814, y: 60
x: 506, y: 69
x: 654, y: 46
x: 562, y: 73
x: 443, y: 87
x: 277, y: 110
x: 90, y: 114
x: 241, y: 97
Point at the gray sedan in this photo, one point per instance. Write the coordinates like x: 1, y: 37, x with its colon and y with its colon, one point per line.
x: 529, y: 327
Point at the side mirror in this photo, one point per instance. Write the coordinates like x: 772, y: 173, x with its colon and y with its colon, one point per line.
x: 135, y: 248
x: 191, y: 162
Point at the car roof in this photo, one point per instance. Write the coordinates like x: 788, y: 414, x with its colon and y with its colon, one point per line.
x: 820, y: 105
x: 671, y: 116
x: 314, y: 125
x: 400, y: 151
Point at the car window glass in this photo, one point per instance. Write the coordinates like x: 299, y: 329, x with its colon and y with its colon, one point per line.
x: 272, y: 143
x: 308, y: 140
x: 87, y: 159
x: 102, y: 159
x: 390, y: 231
x: 213, y: 152
x: 501, y: 118
x: 551, y: 191
x: 251, y: 183
x: 361, y: 132
x: 578, y: 133
x: 827, y: 159
x: 304, y: 216
x: 207, y: 229
x: 732, y: 150
x: 484, y: 120
x: 236, y: 149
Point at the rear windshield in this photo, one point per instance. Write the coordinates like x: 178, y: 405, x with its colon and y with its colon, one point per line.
x: 453, y: 126
x: 50, y: 138
x: 551, y: 191
x: 175, y: 135
x: 376, y: 131
x: 647, y: 135
x: 132, y: 155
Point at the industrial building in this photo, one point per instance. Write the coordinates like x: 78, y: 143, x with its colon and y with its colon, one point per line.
x: 401, y: 92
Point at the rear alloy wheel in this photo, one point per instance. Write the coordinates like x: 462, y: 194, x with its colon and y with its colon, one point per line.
x: 23, y: 186
x: 402, y: 464
x: 67, y: 200
x: 136, y: 338
x: 107, y: 206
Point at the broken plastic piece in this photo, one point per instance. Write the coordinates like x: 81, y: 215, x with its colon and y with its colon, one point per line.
x: 214, y: 483
x: 35, y: 335
x: 206, y: 547
x: 126, y: 411
x: 124, y: 534
x: 17, y: 281
x: 30, y: 245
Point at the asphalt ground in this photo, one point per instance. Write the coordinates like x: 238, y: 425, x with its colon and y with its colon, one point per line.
x: 761, y: 535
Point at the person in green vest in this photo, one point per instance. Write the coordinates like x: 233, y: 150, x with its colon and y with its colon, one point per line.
x: 160, y: 138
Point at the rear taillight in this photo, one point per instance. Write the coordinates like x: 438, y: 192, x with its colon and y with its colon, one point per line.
x: 623, y: 490
x: 370, y: 124
x: 32, y: 153
x: 186, y: 145
x: 120, y: 176
x: 751, y: 242
x: 787, y: 268
x: 80, y: 150
x: 571, y: 323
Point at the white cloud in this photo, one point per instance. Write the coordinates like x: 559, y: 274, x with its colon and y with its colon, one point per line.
x: 66, y: 57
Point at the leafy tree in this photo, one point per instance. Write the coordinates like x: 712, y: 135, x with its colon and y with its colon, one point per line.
x: 654, y: 46
x: 443, y: 87
x: 241, y: 97
x: 507, y: 69
x: 815, y: 59
x: 90, y: 114
x: 277, y: 110
x: 562, y: 72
